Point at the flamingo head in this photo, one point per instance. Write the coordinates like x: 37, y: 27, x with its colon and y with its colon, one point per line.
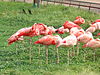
x: 78, y: 17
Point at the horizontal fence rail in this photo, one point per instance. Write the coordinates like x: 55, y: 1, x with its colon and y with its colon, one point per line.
x: 80, y: 4
x: 89, y: 5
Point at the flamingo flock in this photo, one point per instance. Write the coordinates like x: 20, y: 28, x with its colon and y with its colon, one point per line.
x: 76, y: 34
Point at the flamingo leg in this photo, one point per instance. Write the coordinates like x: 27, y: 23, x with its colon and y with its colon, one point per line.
x: 39, y: 53
x: 46, y: 54
x: 84, y: 59
x: 73, y: 54
x: 57, y: 55
x: 30, y: 52
x: 77, y: 49
x: 23, y: 43
x: 94, y: 54
x: 68, y: 57
x: 16, y: 46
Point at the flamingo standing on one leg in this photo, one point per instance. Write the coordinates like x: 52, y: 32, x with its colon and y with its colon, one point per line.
x: 47, y: 40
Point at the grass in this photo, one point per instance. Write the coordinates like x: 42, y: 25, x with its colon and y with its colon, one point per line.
x: 14, y: 59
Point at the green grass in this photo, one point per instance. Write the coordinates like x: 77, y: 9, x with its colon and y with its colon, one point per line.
x: 14, y: 59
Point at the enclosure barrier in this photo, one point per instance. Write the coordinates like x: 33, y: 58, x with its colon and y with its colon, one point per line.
x: 79, y: 4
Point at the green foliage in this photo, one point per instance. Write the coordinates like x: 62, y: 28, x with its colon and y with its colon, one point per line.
x: 14, y: 59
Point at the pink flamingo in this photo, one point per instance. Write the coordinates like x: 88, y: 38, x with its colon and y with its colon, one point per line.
x: 86, y: 37
x: 68, y: 41
x: 14, y: 38
x: 35, y: 30
x: 98, y: 20
x: 61, y: 30
x: 77, y: 31
x: 79, y: 20
x: 94, y: 43
x: 69, y: 25
x: 48, y: 31
x: 48, y: 40
x: 93, y: 27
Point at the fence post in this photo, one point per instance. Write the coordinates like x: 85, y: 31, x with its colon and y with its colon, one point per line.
x: 90, y: 7
x: 79, y: 5
x: 61, y: 2
x: 24, y: 1
x: 70, y: 3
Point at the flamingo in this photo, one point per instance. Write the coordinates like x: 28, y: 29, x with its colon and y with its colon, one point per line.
x: 77, y: 31
x: 51, y: 30
x: 14, y: 38
x: 79, y: 20
x: 23, y: 32
x: 68, y: 41
x: 84, y: 38
x: 98, y: 20
x: 48, y: 40
x: 32, y: 31
x: 69, y: 25
x: 48, y: 31
x: 91, y: 29
x: 96, y: 25
x: 94, y: 43
x: 45, y: 31
x: 61, y: 30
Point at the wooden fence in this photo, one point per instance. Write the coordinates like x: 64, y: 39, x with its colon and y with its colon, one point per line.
x: 79, y: 4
